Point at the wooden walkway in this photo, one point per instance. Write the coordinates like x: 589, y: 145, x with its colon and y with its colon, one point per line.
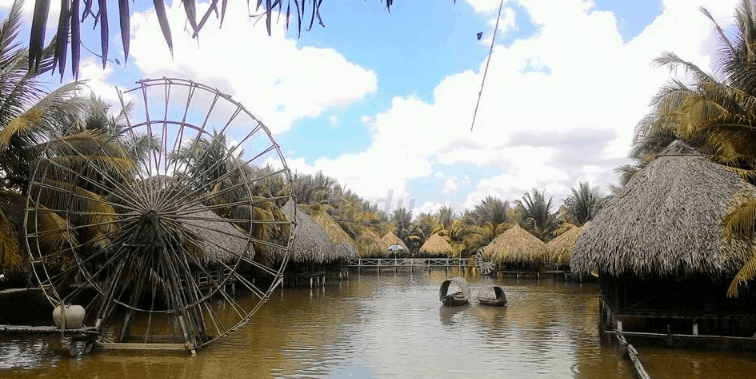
x: 407, y: 263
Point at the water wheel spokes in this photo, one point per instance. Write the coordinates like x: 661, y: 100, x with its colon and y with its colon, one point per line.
x: 165, y: 227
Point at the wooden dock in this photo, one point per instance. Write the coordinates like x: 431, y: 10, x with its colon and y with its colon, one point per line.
x: 45, y: 330
x: 294, y: 279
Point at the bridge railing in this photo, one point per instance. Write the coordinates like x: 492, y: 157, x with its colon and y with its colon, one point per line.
x: 406, y: 262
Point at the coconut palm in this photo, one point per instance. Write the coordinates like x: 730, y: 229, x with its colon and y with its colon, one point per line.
x: 402, y: 219
x: 716, y: 114
x: 536, y: 213
x: 491, y: 209
x: 584, y: 203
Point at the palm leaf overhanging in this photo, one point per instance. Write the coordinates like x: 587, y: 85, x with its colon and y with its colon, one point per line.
x: 74, y: 13
x: 715, y: 114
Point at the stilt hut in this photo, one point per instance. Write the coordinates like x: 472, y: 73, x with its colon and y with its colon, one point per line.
x: 436, y: 246
x: 312, y: 250
x: 516, y: 249
x: 391, y: 239
x: 659, y: 252
x: 560, y: 249
x: 346, y: 247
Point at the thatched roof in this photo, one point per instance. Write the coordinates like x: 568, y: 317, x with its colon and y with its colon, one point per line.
x: 369, y: 244
x: 311, y: 243
x: 515, y: 247
x: 436, y: 245
x: 346, y: 245
x: 391, y: 239
x: 11, y: 216
x: 560, y: 249
x: 219, y: 240
x: 667, y: 221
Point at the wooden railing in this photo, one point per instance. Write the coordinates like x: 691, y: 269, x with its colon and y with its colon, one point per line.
x: 407, y: 262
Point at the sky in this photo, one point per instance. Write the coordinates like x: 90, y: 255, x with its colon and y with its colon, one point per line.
x: 383, y: 102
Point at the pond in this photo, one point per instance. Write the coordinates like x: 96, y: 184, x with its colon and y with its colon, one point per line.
x: 391, y: 324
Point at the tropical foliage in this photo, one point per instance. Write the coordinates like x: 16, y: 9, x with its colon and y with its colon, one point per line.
x: 74, y: 13
x: 583, y: 204
x: 537, y: 216
x: 715, y: 113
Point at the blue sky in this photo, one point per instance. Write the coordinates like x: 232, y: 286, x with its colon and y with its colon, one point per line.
x: 383, y: 101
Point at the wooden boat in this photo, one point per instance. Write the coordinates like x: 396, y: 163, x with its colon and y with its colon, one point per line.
x: 460, y: 297
x: 492, y: 295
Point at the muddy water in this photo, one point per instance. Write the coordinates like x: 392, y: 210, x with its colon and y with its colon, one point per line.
x: 391, y: 325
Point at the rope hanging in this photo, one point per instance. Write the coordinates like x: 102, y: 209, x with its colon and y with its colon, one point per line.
x: 485, y: 72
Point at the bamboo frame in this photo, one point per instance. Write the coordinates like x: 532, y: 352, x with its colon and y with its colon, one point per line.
x: 142, y: 274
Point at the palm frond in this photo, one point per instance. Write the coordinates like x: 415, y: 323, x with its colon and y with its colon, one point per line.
x: 740, y: 222
x: 746, y: 273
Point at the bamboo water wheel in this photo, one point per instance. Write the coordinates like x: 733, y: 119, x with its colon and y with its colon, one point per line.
x: 484, y: 267
x: 164, y: 227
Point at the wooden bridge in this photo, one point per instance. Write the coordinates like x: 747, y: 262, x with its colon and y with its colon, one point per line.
x: 408, y: 263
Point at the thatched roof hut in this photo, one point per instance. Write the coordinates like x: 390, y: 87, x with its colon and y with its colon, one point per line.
x: 311, y: 242
x: 667, y: 221
x: 218, y: 239
x: 346, y: 245
x: 369, y: 244
x: 391, y: 239
x: 11, y: 217
x: 560, y: 249
x: 436, y: 245
x: 515, y: 247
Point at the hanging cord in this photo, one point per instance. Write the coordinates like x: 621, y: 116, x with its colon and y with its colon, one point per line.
x: 485, y: 72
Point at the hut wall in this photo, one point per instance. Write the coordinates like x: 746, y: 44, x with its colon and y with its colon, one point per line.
x: 663, y: 305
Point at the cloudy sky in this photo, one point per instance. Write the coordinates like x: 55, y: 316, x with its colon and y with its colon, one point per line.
x: 383, y: 102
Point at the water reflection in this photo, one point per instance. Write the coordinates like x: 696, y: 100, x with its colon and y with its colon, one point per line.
x: 374, y: 325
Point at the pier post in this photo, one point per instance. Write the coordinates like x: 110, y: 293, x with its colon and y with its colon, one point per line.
x: 695, y: 327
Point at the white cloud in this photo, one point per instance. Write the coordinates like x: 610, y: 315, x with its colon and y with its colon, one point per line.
x: 333, y: 120
x: 450, y: 186
x: 266, y: 73
x: 558, y: 107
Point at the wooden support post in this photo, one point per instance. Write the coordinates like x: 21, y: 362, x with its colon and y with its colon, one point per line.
x: 311, y: 282
x: 619, y: 325
x: 695, y: 327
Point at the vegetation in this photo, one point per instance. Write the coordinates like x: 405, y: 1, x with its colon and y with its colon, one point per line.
x: 715, y: 113
x: 73, y: 13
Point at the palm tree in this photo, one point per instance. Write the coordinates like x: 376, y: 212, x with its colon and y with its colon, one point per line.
x: 491, y: 209
x: 29, y: 118
x: 583, y: 204
x: 536, y: 214
x: 402, y: 219
x: 716, y: 114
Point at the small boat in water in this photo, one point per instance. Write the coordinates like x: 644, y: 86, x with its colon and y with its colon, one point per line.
x: 492, y: 295
x: 459, y: 297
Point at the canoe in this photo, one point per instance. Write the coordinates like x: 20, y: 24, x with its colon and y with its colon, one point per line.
x: 492, y: 295
x: 460, y: 297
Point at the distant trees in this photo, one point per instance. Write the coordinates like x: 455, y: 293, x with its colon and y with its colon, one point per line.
x: 584, y: 203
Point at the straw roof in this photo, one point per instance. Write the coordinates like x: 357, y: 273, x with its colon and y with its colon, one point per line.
x: 369, y: 244
x: 391, y: 239
x: 667, y: 221
x: 311, y: 243
x: 515, y: 247
x: 345, y: 244
x: 219, y: 240
x: 560, y: 249
x: 436, y: 245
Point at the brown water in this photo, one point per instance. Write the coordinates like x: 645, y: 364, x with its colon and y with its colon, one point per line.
x: 392, y: 325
